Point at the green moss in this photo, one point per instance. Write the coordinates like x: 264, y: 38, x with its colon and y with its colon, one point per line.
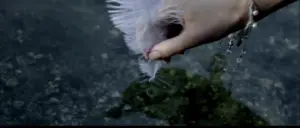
x: 189, y: 99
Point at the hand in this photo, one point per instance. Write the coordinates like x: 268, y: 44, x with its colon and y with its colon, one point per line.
x: 204, y: 21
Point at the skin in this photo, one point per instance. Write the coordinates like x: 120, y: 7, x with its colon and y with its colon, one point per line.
x: 206, y: 21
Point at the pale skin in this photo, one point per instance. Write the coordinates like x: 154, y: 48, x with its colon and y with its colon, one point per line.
x: 206, y: 21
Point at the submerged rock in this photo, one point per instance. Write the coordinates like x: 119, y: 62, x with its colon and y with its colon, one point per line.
x: 182, y: 98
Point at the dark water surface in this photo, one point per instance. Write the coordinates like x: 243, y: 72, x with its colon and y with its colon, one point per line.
x: 62, y: 59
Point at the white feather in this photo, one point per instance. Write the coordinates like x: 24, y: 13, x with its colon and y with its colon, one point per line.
x: 142, y: 23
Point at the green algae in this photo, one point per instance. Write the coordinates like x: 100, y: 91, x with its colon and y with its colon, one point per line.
x: 187, y: 99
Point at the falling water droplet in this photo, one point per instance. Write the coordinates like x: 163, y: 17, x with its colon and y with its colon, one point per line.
x: 239, y: 60
x: 254, y: 25
x: 255, y: 13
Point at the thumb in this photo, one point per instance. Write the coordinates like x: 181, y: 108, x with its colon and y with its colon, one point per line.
x: 168, y: 48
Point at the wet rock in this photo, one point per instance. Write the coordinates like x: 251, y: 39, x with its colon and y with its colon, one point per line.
x: 12, y: 82
x: 18, y: 104
x: 187, y: 99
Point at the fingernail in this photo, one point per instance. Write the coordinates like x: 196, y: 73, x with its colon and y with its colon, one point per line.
x: 154, y: 55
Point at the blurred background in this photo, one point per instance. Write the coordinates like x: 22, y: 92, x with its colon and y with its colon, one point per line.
x: 61, y: 60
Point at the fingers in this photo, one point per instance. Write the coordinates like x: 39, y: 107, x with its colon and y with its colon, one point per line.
x: 177, y: 45
x: 167, y: 48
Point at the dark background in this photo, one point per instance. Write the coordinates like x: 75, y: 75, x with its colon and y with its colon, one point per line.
x: 61, y: 60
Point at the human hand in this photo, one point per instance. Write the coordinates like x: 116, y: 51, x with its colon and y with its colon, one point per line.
x: 205, y: 21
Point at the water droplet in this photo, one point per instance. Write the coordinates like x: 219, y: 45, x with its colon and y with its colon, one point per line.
x: 230, y: 36
x: 239, y: 60
x: 244, y: 52
x: 254, y: 25
x: 228, y: 51
x: 116, y: 94
x: 255, y: 12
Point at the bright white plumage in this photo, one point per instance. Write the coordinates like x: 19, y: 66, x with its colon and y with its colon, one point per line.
x: 143, y: 24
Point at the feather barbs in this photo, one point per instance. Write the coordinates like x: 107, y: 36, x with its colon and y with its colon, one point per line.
x: 143, y: 23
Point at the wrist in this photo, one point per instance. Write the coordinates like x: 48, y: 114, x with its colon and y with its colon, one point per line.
x: 266, y: 7
x: 251, y: 11
x: 243, y: 14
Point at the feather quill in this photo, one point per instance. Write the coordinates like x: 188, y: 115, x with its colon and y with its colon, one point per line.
x: 143, y: 22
